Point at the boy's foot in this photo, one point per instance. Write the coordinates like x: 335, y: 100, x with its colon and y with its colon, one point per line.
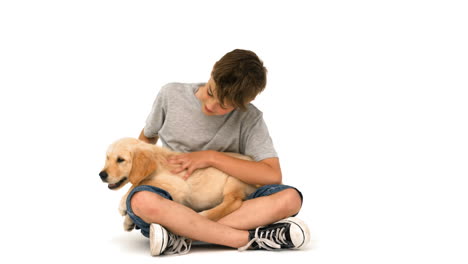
x: 164, y: 242
x: 289, y: 233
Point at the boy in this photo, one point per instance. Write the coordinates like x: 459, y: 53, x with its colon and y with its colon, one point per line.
x: 203, y: 121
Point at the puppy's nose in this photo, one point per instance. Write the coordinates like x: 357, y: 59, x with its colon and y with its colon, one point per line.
x: 103, y: 175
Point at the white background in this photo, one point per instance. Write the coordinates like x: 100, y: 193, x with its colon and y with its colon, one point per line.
x: 366, y: 102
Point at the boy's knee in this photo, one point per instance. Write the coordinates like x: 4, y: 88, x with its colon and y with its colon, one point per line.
x: 145, y: 203
x: 292, y: 201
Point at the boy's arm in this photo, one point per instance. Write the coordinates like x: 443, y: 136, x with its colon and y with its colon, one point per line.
x: 142, y: 137
x: 267, y: 171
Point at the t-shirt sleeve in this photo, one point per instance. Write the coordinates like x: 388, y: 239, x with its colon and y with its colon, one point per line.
x: 256, y: 141
x: 156, y: 117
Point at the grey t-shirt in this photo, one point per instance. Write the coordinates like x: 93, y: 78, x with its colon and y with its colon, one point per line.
x: 177, y: 118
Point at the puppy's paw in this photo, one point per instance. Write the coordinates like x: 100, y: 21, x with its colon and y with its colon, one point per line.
x: 203, y: 213
x: 123, y: 209
x: 210, y: 214
x: 128, y: 224
x: 207, y: 214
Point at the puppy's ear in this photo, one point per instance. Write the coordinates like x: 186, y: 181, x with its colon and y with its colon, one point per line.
x: 142, y: 166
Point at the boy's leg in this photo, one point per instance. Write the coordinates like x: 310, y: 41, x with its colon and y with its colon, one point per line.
x: 264, y: 210
x: 266, y: 215
x: 154, y: 206
x: 183, y: 221
x: 268, y: 205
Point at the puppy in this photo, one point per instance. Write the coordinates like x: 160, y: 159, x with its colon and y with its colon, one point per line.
x: 208, y: 191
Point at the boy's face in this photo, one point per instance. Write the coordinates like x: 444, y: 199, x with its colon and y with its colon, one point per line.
x: 210, y: 104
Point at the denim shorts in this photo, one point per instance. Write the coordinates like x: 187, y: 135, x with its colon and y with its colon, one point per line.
x: 144, y: 227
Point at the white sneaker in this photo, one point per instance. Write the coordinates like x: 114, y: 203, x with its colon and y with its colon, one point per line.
x: 164, y: 242
x: 289, y: 233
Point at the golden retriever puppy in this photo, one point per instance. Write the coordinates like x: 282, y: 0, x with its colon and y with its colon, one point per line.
x: 209, y: 191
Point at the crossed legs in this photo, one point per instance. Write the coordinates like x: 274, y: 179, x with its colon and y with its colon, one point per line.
x: 229, y: 231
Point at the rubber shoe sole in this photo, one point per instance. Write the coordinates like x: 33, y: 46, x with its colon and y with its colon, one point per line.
x: 299, y: 232
x: 158, y: 239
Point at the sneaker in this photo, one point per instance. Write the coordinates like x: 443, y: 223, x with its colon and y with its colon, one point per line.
x: 289, y: 233
x: 164, y: 242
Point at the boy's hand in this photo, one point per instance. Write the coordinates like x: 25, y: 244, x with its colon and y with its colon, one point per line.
x: 191, y: 161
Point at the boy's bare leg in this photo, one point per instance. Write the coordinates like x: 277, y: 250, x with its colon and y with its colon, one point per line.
x: 228, y: 231
x: 264, y: 210
x: 183, y: 221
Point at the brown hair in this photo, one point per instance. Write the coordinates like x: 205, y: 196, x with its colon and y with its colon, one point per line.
x: 239, y: 77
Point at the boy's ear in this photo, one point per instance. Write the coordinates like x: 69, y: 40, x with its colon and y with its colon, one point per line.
x: 142, y: 166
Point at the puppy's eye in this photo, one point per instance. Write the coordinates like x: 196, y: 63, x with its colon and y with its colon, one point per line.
x: 120, y: 160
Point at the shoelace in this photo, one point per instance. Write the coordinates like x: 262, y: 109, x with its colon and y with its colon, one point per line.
x: 177, y: 245
x: 270, y: 239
